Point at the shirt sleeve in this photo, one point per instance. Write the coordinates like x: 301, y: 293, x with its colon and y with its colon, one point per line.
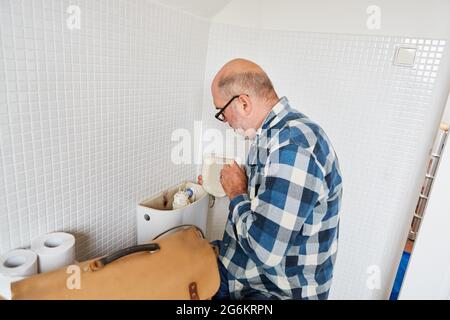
x: 291, y: 186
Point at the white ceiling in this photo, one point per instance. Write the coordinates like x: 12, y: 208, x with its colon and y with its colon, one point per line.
x: 417, y: 18
x: 202, y: 8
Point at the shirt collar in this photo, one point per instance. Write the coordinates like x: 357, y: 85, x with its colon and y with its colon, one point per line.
x: 275, y: 115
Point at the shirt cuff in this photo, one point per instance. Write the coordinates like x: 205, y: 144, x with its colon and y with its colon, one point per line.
x: 237, y: 201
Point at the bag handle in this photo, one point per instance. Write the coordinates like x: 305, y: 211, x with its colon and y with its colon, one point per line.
x: 181, y: 226
x: 100, y: 263
x: 151, y: 248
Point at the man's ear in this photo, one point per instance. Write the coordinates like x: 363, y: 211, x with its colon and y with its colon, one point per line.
x: 246, y: 103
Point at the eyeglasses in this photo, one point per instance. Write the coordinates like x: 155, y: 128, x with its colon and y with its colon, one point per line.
x: 219, y: 115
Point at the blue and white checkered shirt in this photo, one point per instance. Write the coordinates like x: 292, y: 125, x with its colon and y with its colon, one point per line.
x: 281, y: 238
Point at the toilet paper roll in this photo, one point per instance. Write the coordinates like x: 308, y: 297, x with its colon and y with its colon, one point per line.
x: 14, y: 266
x: 54, y: 250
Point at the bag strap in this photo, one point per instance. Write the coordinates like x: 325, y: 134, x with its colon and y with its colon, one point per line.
x: 97, y: 264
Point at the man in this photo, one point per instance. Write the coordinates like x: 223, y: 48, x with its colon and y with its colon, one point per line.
x: 280, y: 240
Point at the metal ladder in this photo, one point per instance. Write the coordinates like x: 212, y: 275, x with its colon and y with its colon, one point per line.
x: 433, y: 164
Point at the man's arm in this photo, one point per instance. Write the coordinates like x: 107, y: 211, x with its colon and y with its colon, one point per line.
x: 289, y: 190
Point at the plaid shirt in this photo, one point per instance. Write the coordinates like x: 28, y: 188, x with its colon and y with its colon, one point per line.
x: 281, y: 238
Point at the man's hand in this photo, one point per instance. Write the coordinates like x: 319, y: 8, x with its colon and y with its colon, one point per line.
x: 233, y: 180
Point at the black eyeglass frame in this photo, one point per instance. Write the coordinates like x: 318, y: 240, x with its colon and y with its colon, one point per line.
x: 221, y: 111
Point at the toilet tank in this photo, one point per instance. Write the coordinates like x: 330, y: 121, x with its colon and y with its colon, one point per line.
x: 156, y: 214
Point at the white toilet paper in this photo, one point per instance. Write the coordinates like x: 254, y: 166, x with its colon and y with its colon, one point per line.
x: 14, y: 266
x: 54, y: 250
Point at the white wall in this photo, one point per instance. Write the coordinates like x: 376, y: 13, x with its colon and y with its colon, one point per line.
x: 446, y: 115
x: 86, y: 115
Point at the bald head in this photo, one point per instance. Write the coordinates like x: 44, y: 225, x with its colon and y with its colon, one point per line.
x: 240, y: 76
x: 246, y: 88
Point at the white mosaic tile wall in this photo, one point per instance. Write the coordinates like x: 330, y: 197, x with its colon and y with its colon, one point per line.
x: 86, y: 115
x: 86, y: 118
x: 377, y: 116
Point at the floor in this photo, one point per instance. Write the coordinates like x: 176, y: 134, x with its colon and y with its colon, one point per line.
x: 401, y: 270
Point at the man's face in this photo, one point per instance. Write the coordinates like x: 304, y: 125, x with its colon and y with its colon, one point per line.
x: 231, y: 113
x: 228, y: 114
x: 236, y: 118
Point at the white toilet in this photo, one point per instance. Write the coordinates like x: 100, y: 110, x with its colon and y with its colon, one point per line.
x: 156, y: 214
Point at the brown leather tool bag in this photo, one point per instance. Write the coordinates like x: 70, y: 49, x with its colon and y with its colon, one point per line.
x: 181, y: 265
